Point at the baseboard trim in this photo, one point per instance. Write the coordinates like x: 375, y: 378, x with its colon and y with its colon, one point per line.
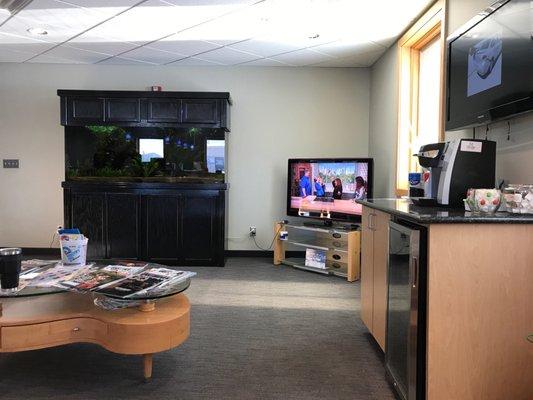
x: 50, y: 251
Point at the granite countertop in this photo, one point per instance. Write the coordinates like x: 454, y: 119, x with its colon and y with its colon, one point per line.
x: 441, y: 215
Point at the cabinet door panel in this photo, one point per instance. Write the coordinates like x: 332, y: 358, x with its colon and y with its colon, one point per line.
x: 163, y: 110
x: 161, y: 227
x: 88, y: 216
x: 367, y: 268
x: 122, y: 225
x: 381, y: 253
x: 199, y: 229
x: 200, y: 111
x: 81, y: 110
x: 123, y: 110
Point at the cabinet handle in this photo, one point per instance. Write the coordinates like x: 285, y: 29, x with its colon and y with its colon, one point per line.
x: 76, y: 329
x: 371, y: 224
x: 415, y: 272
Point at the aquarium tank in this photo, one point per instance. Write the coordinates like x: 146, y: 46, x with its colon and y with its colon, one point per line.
x: 145, y: 154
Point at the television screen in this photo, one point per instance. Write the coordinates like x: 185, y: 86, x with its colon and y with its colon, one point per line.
x: 328, y: 188
x: 490, y: 66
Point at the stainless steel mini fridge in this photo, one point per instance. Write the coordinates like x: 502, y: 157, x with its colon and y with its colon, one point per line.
x: 406, y: 311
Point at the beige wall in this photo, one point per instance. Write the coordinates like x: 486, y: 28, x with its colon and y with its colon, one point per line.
x: 384, y: 122
x: 514, y: 157
x: 277, y: 113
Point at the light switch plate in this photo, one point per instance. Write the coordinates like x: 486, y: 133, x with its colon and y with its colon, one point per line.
x: 11, y: 163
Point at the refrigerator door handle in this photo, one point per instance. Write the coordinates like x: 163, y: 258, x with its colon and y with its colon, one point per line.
x: 415, y: 272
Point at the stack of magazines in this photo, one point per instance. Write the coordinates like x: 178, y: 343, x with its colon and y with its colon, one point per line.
x: 126, y: 280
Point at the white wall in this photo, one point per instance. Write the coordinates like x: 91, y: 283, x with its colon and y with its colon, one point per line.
x: 277, y: 113
x: 384, y: 121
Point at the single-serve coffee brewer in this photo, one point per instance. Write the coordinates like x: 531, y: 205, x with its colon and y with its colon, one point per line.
x: 10, y: 259
x: 455, y: 167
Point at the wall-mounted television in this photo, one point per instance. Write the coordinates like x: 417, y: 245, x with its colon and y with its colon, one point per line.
x: 490, y: 66
x: 326, y: 188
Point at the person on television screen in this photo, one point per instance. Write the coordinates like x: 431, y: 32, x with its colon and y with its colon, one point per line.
x: 305, y: 184
x: 360, y: 188
x: 319, y: 187
x: 337, y: 189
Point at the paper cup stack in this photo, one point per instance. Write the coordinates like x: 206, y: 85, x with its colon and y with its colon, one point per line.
x: 73, y: 249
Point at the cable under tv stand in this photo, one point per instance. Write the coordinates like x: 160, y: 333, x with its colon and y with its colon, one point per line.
x: 340, y: 242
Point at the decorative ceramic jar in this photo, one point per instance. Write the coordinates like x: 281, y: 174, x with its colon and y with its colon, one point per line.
x: 519, y: 199
x: 483, y: 200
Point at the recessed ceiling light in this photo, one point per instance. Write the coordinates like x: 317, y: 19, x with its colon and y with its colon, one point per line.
x: 314, y: 36
x: 37, y: 31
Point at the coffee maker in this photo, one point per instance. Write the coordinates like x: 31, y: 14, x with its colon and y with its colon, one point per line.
x: 454, y: 167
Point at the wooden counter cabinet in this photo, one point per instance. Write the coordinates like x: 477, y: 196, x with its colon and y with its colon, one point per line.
x: 374, y: 252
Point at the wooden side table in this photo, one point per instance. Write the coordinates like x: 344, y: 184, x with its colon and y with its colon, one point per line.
x: 36, y: 322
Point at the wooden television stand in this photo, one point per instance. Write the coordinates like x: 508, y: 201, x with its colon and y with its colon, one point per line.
x: 342, y: 247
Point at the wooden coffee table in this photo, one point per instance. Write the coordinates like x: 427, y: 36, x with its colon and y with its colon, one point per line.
x: 58, y: 318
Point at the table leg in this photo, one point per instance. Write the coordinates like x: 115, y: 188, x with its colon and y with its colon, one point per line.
x: 147, y: 361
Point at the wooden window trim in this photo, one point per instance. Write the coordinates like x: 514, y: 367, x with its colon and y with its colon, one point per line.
x: 422, y: 32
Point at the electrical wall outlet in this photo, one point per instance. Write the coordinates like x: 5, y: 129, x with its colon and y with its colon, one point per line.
x: 253, y: 231
x: 11, y: 163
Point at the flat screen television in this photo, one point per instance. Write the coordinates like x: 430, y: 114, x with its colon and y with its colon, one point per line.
x: 326, y: 188
x: 490, y: 66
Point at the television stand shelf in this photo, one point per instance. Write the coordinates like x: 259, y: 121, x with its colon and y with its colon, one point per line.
x: 342, y: 247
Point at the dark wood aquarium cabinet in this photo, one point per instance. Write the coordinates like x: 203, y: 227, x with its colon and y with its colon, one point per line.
x: 145, y: 173
x: 165, y: 223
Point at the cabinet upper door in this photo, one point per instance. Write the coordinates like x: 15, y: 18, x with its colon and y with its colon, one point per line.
x: 123, y: 110
x: 201, y: 111
x: 85, y: 110
x: 163, y: 110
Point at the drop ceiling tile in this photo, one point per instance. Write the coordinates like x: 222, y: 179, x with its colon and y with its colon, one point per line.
x: 227, y: 56
x: 358, y: 60
x: 151, y: 20
x: 265, y: 62
x: 194, y: 61
x: 71, y: 53
x: 230, y: 28
x: 153, y: 55
x: 106, y: 8
x: 59, y: 23
x: 4, y: 14
x: 345, y: 48
x: 263, y: 47
x: 302, y: 57
x: 123, y: 61
x: 180, y: 45
x: 91, y: 42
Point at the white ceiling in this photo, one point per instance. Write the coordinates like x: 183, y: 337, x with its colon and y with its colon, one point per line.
x: 321, y: 33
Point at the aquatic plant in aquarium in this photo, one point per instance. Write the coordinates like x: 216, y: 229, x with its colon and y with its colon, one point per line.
x: 144, y: 154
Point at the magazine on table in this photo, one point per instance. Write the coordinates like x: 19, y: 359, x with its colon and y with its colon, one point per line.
x: 315, y: 258
x: 52, y: 276
x: 145, y: 282
x: 96, y: 277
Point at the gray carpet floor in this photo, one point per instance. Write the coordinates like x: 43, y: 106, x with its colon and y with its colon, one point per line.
x: 257, y: 332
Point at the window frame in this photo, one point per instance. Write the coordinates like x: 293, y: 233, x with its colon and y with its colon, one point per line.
x: 428, y: 27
